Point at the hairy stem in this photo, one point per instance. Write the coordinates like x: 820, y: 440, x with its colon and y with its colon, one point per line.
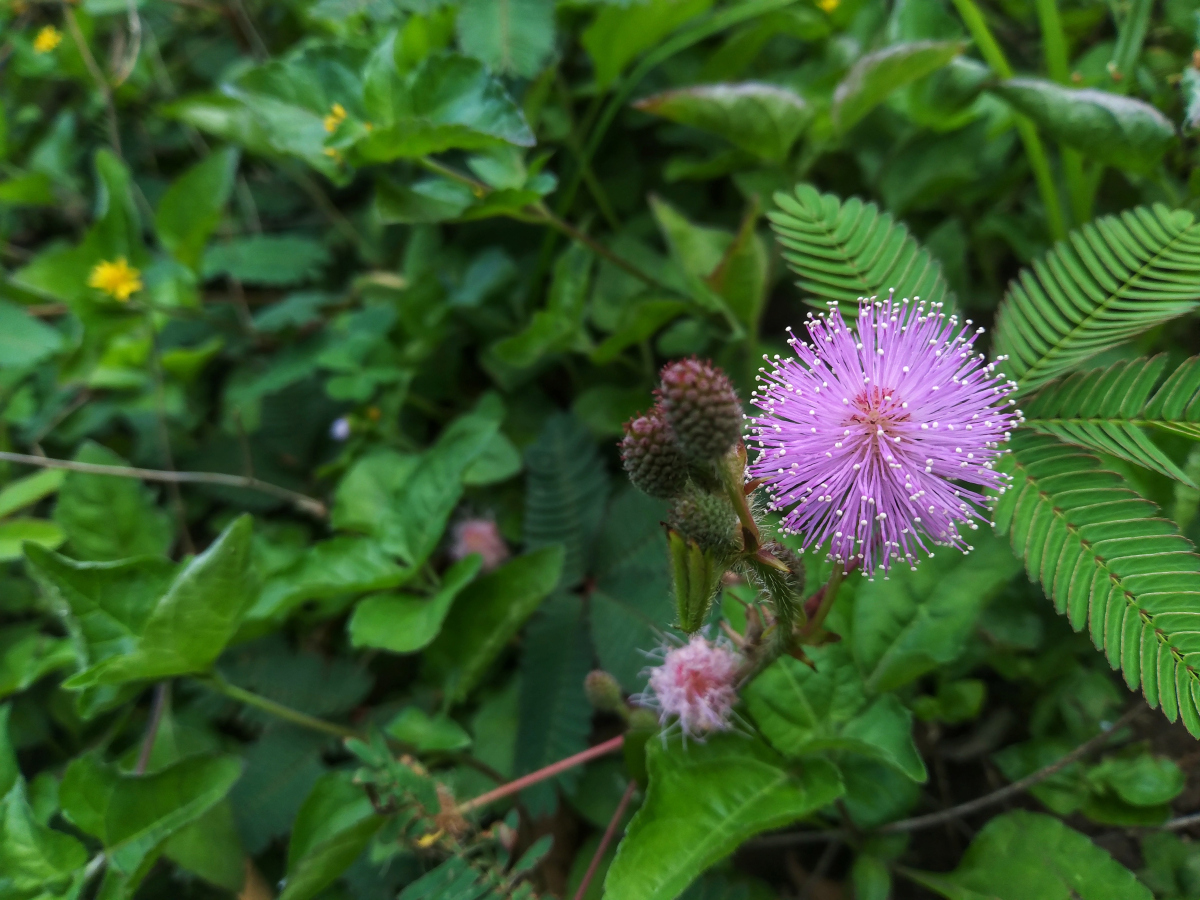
x: 514, y: 787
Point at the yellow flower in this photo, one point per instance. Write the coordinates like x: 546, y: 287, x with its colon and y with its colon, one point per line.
x: 117, y: 279
x: 828, y: 5
x: 337, y: 115
x: 428, y: 840
x: 47, y: 39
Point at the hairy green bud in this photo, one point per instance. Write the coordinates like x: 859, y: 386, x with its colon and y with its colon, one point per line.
x: 603, y: 692
x: 651, y: 456
x: 701, y: 407
x: 705, y: 518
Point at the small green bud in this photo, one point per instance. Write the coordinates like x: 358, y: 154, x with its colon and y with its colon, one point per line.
x: 705, y: 518
x: 651, y: 456
x: 603, y: 692
x: 697, y: 578
x: 702, y: 409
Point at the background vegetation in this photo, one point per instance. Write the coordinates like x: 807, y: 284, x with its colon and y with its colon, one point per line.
x: 397, y: 270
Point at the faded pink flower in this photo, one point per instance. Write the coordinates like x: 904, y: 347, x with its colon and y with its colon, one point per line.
x: 479, y: 536
x: 695, y: 684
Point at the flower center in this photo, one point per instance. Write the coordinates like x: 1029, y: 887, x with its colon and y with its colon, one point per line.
x: 876, y: 408
x: 696, y: 681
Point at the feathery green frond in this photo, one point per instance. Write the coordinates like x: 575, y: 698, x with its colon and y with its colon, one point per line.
x: 1107, y: 410
x: 843, y: 250
x: 1109, y: 280
x: 1110, y: 563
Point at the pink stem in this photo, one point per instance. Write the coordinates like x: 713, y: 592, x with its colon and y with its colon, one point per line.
x: 609, y: 833
x: 506, y: 790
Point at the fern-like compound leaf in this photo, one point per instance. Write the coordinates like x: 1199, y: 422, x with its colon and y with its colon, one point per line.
x: 1108, y: 281
x: 1111, y: 564
x: 1110, y: 410
x: 843, y: 250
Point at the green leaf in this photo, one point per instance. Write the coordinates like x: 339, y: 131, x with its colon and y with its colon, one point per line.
x: 448, y: 102
x: 15, y: 532
x: 558, y: 326
x: 27, y: 655
x: 846, y: 250
x: 332, y: 828
x: 918, y: 620
x: 133, y: 814
x: 276, y: 260
x: 490, y: 612
x: 876, y: 75
x: 211, y: 848
x: 425, y: 733
x: 803, y: 712
x: 1109, y: 563
x: 699, y: 253
x: 499, y: 461
x: 33, y: 857
x: 191, y: 208
x: 1113, y: 129
x: 158, y: 633
x: 428, y: 200
x: 105, y: 517
x: 26, y: 491
x: 1108, y: 281
x: 1028, y: 856
x: 509, y: 36
x: 24, y: 340
x: 763, y: 119
x: 554, y: 717
x: 281, y: 768
x: 619, y: 35
x: 1109, y: 410
x: 333, y: 568
x: 566, y: 488
x: 405, y: 623
x: 419, y: 510
x: 641, y: 321
x: 704, y: 800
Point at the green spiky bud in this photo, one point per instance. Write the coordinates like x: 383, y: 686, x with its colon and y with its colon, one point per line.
x: 701, y: 407
x: 603, y: 692
x: 705, y: 518
x: 651, y: 456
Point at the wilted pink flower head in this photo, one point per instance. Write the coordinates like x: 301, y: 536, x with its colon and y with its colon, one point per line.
x: 695, y: 684
x: 479, y: 536
x: 880, y: 441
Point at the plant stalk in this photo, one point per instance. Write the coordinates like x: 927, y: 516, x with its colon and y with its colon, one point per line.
x: 304, y: 720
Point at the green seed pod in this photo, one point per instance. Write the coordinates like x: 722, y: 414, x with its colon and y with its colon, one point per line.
x: 651, y: 456
x: 702, y: 409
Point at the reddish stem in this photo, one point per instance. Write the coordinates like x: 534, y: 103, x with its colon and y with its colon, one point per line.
x: 513, y: 787
x: 609, y: 833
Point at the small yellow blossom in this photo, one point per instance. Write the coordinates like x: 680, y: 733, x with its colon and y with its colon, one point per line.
x: 337, y: 115
x: 47, y: 39
x: 828, y: 5
x: 428, y: 840
x: 117, y: 279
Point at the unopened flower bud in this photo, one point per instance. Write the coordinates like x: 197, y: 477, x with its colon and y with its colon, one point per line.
x: 701, y: 407
x: 603, y: 692
x: 479, y: 536
x: 651, y: 456
x: 705, y: 518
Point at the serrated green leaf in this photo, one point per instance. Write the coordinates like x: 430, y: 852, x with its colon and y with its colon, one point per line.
x: 105, y: 517
x: 876, y: 75
x: 703, y: 801
x: 509, y: 36
x: 1113, y: 129
x: 1028, y: 856
x: 191, y: 208
x: 763, y: 119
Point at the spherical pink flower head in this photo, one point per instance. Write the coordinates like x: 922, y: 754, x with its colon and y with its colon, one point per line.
x: 695, y: 684
x: 882, y: 441
x: 479, y: 536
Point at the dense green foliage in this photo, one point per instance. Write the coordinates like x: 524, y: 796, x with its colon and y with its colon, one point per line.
x: 334, y: 310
